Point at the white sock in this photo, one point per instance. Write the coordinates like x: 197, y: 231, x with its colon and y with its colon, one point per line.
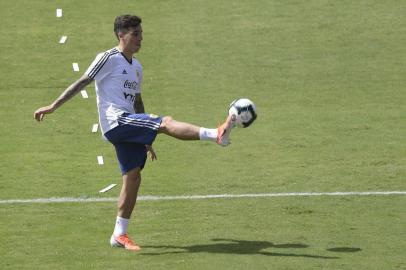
x: 121, y: 226
x: 207, y: 134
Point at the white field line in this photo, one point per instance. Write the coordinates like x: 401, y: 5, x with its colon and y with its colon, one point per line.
x: 202, y: 197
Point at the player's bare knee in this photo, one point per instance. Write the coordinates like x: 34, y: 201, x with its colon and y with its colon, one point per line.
x: 165, y: 124
x: 132, y: 177
x: 167, y: 119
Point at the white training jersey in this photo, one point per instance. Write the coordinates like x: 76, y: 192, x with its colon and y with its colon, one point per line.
x: 117, y: 80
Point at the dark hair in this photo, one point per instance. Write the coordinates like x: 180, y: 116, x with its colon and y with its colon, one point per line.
x: 123, y: 23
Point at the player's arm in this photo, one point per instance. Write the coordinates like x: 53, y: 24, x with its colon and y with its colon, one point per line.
x: 138, y: 104
x: 69, y: 92
x: 139, y: 108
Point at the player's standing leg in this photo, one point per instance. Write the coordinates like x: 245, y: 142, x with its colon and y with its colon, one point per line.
x: 126, y: 203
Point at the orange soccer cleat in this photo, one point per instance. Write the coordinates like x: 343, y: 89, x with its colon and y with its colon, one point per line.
x: 224, y: 131
x: 124, y: 241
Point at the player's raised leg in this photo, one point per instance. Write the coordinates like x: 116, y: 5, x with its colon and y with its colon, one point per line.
x: 186, y: 131
x: 178, y: 130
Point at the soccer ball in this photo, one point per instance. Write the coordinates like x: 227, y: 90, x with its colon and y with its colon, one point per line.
x: 243, y: 112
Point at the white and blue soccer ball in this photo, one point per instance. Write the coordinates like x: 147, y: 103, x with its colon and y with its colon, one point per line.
x: 243, y: 112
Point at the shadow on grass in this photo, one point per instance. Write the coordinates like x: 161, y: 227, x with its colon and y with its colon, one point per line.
x: 344, y: 249
x: 231, y: 246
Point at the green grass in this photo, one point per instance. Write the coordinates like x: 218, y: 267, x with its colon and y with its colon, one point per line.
x: 328, y: 80
x: 282, y: 233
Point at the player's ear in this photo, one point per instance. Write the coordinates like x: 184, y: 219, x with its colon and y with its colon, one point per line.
x: 120, y: 35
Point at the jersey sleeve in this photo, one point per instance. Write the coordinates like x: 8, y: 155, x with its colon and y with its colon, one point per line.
x: 100, y: 67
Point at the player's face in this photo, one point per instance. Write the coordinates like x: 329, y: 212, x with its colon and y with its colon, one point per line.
x: 132, y: 39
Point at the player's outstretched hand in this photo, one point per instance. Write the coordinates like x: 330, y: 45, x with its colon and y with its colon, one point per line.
x: 41, y: 112
x: 151, y: 152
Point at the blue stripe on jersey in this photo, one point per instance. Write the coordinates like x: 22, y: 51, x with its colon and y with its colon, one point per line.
x: 101, y: 62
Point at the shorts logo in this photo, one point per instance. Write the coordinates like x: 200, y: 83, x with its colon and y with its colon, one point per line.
x: 153, y: 116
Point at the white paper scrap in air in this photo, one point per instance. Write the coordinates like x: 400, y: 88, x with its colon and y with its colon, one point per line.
x: 58, y: 12
x: 95, y: 127
x: 84, y: 94
x: 75, y: 66
x: 107, y: 188
x: 100, y: 160
x: 63, y: 39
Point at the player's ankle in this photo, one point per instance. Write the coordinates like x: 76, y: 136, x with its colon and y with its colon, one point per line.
x: 207, y: 134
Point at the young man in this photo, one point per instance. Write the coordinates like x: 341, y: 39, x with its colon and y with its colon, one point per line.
x: 122, y: 118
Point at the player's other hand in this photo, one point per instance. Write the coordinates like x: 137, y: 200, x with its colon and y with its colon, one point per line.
x: 151, y: 152
x: 41, y: 112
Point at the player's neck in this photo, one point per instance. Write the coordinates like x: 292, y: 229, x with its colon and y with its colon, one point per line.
x: 126, y: 53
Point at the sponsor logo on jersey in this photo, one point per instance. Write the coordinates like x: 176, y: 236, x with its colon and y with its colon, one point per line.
x: 124, y: 72
x: 130, y: 85
x: 129, y: 96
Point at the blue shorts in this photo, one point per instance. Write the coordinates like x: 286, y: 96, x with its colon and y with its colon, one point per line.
x: 133, y: 132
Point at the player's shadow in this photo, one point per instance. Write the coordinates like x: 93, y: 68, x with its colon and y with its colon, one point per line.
x: 344, y: 249
x: 239, y: 247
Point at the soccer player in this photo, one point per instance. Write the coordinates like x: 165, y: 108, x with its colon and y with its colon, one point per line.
x: 123, y: 121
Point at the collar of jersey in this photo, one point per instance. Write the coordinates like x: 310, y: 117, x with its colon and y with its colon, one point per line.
x: 129, y: 61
